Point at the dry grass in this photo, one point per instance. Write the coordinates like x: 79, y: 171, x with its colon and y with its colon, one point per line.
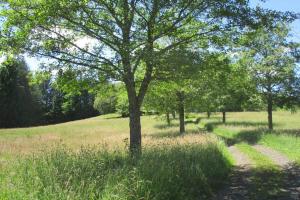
x: 108, y: 130
x: 88, y: 159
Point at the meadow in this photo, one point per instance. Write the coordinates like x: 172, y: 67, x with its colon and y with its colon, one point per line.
x: 88, y: 159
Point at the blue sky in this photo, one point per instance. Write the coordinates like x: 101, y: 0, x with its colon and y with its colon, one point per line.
x: 280, y: 5
x: 283, y: 5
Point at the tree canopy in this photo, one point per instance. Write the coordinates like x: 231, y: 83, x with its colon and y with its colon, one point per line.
x: 123, y: 39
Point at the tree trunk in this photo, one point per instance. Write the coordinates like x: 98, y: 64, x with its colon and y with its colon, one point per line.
x: 168, y: 118
x: 208, y: 114
x: 173, y: 114
x: 135, y: 127
x: 224, y: 117
x: 270, y: 114
x: 180, y: 96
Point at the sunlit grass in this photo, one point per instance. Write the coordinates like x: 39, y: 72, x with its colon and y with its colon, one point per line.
x: 110, y: 129
x: 288, y: 145
x: 88, y: 159
x: 251, y: 128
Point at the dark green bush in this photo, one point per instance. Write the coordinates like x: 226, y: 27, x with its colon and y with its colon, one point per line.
x: 209, y: 127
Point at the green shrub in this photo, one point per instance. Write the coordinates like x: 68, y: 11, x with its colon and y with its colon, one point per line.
x: 162, y: 172
x: 209, y: 127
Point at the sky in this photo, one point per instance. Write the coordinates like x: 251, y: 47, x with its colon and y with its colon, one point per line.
x: 280, y: 5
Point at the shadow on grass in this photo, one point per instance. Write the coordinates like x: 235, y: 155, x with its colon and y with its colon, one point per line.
x: 245, y: 124
x: 292, y: 132
x: 173, y: 134
x: 263, y: 183
x: 250, y: 137
x: 115, y: 117
x: 165, y: 126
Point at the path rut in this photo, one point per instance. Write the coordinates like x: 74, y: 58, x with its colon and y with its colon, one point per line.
x: 275, y: 156
x: 248, y: 182
x: 291, y: 172
x: 237, y: 187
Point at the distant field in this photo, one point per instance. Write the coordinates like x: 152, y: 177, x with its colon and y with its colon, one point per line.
x: 109, y: 129
x: 112, y: 130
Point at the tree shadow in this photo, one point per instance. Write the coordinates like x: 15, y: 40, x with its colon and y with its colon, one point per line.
x: 263, y: 183
x: 250, y: 137
x: 172, y: 125
x: 115, y: 117
x: 238, y: 124
x: 174, y: 134
x: 254, y: 136
x: 292, y: 132
x: 276, y: 183
x: 165, y: 126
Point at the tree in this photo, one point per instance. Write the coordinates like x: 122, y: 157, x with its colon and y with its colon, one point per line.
x: 75, y: 87
x: 272, y: 64
x: 106, y: 98
x: 17, y: 103
x: 63, y: 95
x: 161, y: 98
x: 188, y: 66
x: 123, y: 36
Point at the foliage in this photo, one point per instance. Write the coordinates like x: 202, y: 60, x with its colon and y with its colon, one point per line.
x: 122, y: 103
x: 271, y: 62
x: 43, y: 97
x: 135, y: 33
x: 18, y: 105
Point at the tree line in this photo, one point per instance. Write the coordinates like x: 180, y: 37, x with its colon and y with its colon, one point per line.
x: 42, y: 97
x: 215, y: 51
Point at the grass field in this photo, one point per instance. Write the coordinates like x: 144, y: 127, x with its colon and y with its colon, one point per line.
x: 251, y: 128
x: 88, y: 159
x: 244, y: 130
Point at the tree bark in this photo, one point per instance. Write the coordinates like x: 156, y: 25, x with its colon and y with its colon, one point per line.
x: 173, y: 114
x: 270, y: 114
x: 180, y: 96
x: 168, y: 118
x: 224, y: 117
x: 135, y: 144
x: 208, y: 114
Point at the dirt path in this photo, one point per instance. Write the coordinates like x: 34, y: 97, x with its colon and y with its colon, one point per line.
x: 275, y: 156
x: 292, y: 181
x: 241, y: 160
x: 248, y: 182
x: 239, y: 180
x: 291, y: 172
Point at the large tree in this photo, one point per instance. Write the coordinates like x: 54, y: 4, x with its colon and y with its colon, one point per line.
x: 118, y: 37
x: 270, y: 57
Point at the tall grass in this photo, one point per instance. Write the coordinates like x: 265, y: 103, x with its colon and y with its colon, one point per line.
x: 185, y: 171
